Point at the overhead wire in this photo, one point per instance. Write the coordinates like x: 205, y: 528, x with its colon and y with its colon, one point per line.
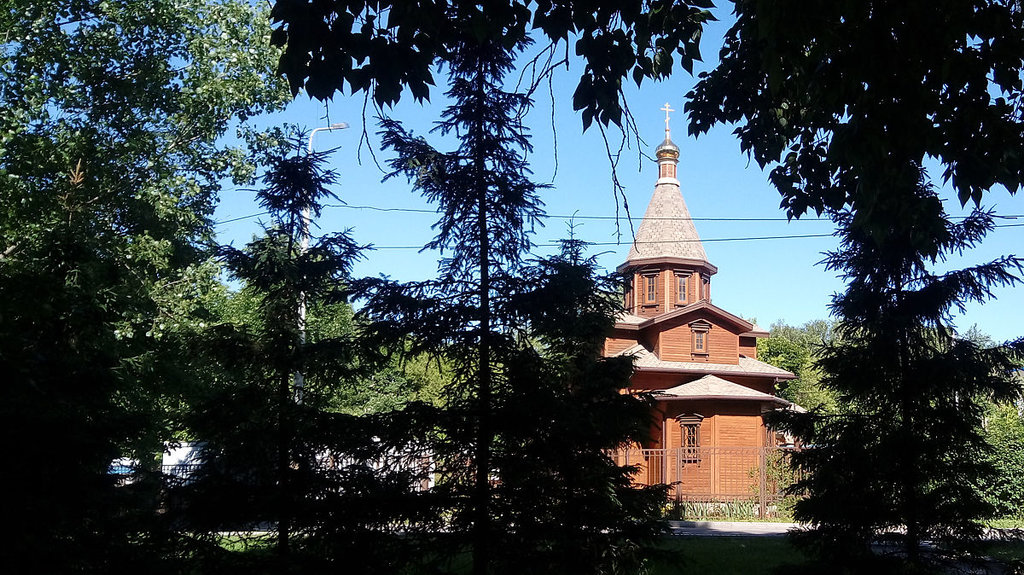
x: 617, y: 243
x: 590, y: 217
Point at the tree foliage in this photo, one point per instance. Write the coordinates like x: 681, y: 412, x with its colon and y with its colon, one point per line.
x: 796, y: 349
x: 835, y: 95
x: 109, y: 164
x: 571, y: 508
x: 914, y: 396
x: 383, y: 48
x: 1004, y: 490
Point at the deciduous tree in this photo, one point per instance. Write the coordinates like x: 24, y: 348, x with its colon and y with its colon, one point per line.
x: 796, y: 349
x: 384, y: 48
x: 110, y: 159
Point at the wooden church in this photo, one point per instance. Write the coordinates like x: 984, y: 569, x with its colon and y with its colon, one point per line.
x: 699, y: 361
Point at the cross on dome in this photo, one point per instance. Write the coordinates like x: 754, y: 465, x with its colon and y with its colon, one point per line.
x: 667, y: 153
x: 666, y: 108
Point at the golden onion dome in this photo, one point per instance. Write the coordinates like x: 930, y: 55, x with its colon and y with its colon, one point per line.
x: 667, y: 149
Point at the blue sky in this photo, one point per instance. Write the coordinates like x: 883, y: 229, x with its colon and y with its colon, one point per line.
x: 766, y: 279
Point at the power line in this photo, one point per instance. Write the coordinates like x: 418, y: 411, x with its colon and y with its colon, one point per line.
x: 240, y: 218
x: 751, y: 238
x: 585, y: 217
x: 707, y: 240
x: 576, y: 216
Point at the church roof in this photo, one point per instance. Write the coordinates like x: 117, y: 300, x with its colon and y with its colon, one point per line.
x: 667, y: 229
x: 667, y: 146
x: 645, y: 360
x: 713, y: 387
x: 629, y: 319
x: 625, y: 320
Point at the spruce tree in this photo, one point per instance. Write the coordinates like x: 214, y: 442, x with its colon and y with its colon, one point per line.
x: 530, y: 415
x: 487, y: 208
x: 905, y: 455
x: 332, y: 489
x: 848, y: 103
x: 568, y: 507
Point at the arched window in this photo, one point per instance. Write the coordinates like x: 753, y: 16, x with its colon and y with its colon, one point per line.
x: 701, y: 331
x: 689, y: 437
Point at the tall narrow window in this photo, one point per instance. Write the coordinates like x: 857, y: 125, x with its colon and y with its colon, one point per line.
x: 700, y: 329
x: 651, y: 288
x: 689, y: 437
x: 681, y: 279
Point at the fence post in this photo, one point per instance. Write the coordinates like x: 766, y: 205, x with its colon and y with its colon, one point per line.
x: 679, y: 474
x: 762, y: 491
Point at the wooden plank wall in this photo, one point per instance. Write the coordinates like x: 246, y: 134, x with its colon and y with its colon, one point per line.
x: 643, y: 308
x: 725, y: 424
x: 618, y: 341
x: 665, y: 292
x: 718, y: 470
x: 748, y: 347
x: 762, y: 384
x: 676, y: 341
x: 648, y: 381
x: 723, y: 345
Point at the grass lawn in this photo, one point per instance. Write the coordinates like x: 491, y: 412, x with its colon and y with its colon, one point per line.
x: 768, y: 555
x: 1006, y: 523
x: 725, y: 555
x: 718, y: 555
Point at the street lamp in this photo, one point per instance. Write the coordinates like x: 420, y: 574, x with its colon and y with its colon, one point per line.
x: 300, y: 381
x: 304, y: 237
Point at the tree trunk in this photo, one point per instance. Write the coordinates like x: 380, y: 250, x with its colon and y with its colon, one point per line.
x: 283, y: 461
x: 482, y: 513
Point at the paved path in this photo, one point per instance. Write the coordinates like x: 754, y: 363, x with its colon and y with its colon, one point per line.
x: 730, y: 528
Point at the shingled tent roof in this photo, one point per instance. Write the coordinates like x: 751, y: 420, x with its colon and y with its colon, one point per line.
x: 645, y: 360
x: 713, y: 387
x: 667, y: 229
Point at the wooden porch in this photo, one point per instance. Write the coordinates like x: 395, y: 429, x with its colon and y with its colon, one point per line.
x: 717, y: 480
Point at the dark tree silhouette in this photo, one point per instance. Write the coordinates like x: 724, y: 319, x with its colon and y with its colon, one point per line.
x: 846, y: 102
x: 335, y: 491
x: 383, y: 48
x: 110, y: 161
x: 522, y: 449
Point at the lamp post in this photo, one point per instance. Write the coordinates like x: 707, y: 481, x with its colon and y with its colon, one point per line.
x: 300, y: 381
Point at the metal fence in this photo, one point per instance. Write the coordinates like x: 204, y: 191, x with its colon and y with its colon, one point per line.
x: 179, y: 473
x: 418, y: 466
x: 718, y: 481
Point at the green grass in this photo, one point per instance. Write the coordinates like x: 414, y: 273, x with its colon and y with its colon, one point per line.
x: 769, y: 556
x: 725, y: 555
x: 744, y: 519
x: 1006, y: 523
x: 718, y: 555
x: 236, y: 542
